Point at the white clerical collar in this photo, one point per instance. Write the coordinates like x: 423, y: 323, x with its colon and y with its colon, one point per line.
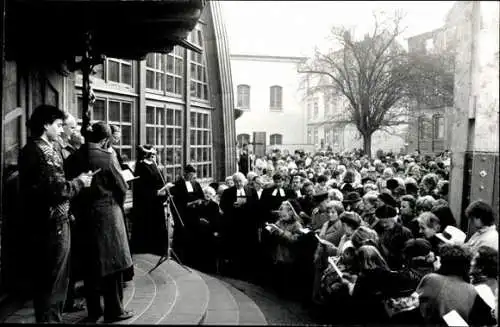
x: 282, y: 192
x: 147, y: 161
x: 259, y: 192
x: 189, y: 187
x: 240, y: 192
x: 298, y: 193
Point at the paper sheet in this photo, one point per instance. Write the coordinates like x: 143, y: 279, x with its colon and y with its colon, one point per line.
x: 486, y: 294
x: 127, y: 175
x: 453, y: 318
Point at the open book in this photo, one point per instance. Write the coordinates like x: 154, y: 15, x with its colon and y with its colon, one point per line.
x: 127, y: 175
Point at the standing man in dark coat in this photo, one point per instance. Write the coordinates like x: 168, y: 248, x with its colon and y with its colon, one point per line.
x: 107, y: 254
x: 188, y: 194
x: 243, y: 162
x: 47, y: 192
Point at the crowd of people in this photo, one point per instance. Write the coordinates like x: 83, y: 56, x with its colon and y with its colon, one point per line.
x: 343, y: 231
x: 336, y: 231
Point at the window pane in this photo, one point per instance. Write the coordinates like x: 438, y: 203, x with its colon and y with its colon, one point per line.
x: 170, y: 64
x: 199, y: 154
x: 192, y: 88
x: 160, y: 155
x: 170, y: 136
x: 170, y: 83
x: 199, y: 72
x: 160, y: 116
x: 177, y: 156
x: 205, y: 92
x: 127, y: 154
x: 150, y: 135
x: 114, y: 111
x: 150, y: 60
x: 199, y: 118
x: 99, y: 110
x: 192, y: 137
x: 150, y: 79
x: 178, y: 119
x: 159, y: 81
x: 192, y: 120
x: 159, y: 61
x: 200, y: 138
x: 178, y: 85
x: 170, y: 156
x: 192, y: 154
x: 179, y: 66
x: 126, y: 135
x: 178, y: 137
x: 170, y: 117
x: 199, y: 91
x: 79, y: 108
x: 126, y: 112
x: 159, y: 136
x: 150, y: 115
x: 126, y: 74
x: 193, y: 71
x: 113, y: 70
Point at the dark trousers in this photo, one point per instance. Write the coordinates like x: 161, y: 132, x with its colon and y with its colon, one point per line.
x: 52, y: 273
x: 110, y: 287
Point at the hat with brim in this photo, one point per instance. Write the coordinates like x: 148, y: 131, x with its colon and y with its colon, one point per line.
x: 452, y: 235
x: 189, y: 169
x: 352, y: 197
x: 368, y: 179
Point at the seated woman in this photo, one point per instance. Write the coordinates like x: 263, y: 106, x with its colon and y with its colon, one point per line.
x: 449, y: 289
x: 284, y: 234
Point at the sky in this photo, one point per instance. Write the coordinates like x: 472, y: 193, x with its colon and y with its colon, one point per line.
x: 294, y: 28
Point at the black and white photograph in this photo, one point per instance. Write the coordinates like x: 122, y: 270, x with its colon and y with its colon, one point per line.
x: 202, y: 162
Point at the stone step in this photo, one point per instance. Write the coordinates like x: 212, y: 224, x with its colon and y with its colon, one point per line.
x: 222, y: 307
x: 192, y: 295
x: 249, y: 311
x: 169, y: 295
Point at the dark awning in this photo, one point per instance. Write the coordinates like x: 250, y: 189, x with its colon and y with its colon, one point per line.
x: 55, y: 31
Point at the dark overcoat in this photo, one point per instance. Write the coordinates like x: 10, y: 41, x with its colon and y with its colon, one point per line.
x: 101, y: 216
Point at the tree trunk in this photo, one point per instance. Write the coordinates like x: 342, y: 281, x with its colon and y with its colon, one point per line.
x: 367, y: 144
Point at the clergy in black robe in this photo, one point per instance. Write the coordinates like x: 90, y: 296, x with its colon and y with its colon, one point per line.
x: 187, y: 196
x: 149, y: 231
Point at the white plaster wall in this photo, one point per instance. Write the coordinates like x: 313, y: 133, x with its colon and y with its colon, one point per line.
x: 260, y: 76
x: 486, y: 131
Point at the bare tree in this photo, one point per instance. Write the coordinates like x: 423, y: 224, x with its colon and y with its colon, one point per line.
x: 374, y: 74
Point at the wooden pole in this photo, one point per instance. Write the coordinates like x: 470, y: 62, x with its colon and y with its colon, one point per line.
x: 86, y: 67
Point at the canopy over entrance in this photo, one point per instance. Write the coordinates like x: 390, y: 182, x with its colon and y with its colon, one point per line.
x: 49, y: 31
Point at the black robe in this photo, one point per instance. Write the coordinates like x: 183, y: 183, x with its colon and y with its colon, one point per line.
x: 149, y: 229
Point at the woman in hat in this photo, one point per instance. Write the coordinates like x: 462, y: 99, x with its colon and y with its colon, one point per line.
x: 149, y: 231
x: 353, y: 202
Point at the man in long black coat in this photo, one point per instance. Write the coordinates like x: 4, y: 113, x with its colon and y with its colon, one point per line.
x: 187, y: 195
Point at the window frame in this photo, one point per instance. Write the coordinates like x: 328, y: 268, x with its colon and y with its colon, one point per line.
x: 274, y: 138
x: 204, y: 130
x: 200, y: 62
x: 241, y: 96
x: 120, y: 63
x: 120, y: 99
x: 275, y: 101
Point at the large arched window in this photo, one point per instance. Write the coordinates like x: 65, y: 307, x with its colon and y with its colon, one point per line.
x: 276, y: 98
x: 243, y: 96
x: 243, y: 139
x: 276, y: 139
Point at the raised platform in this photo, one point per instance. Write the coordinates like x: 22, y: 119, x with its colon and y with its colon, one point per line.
x: 172, y: 295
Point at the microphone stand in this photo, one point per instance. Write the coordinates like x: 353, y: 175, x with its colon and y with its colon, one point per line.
x: 166, y: 256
